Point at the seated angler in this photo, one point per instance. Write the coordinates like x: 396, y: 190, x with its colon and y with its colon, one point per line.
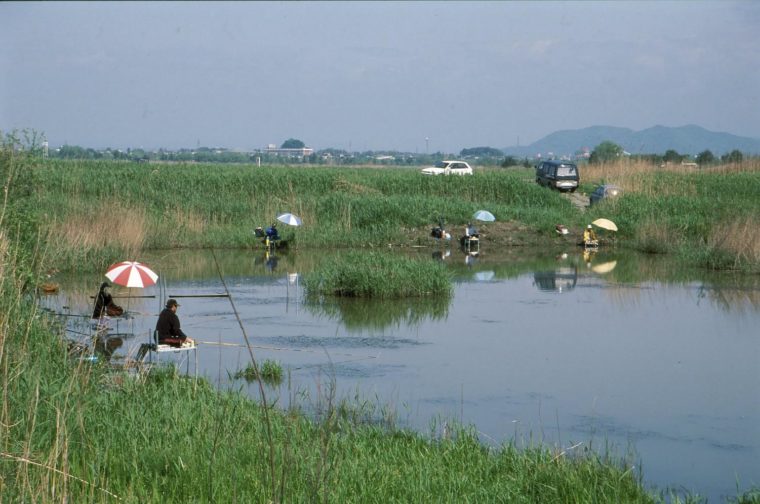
x: 589, y: 237
x: 104, y: 304
x: 168, y: 328
x: 470, y: 231
x: 272, y: 233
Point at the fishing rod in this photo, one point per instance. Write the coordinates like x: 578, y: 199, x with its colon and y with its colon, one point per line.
x: 129, y: 297
x: 199, y: 295
x: 256, y: 370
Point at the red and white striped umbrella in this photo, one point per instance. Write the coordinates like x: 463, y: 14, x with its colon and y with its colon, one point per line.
x: 131, y: 274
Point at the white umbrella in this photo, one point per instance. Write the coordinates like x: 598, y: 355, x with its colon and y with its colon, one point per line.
x: 289, y: 219
x: 484, y: 215
x: 605, y: 224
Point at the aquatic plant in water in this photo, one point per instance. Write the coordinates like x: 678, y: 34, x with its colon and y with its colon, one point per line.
x: 378, y: 275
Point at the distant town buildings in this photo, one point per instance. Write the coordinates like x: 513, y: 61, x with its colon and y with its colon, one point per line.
x: 301, y: 152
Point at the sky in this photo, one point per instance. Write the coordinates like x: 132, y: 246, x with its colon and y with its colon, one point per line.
x: 405, y: 76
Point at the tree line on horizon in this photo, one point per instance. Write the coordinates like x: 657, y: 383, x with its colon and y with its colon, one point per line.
x: 609, y: 151
x: 606, y: 151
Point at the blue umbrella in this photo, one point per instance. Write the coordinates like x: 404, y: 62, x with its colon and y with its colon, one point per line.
x: 484, y: 215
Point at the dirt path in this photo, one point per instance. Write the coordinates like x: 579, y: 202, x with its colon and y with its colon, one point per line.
x: 578, y: 199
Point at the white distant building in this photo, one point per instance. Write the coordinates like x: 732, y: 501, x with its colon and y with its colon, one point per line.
x: 302, y: 152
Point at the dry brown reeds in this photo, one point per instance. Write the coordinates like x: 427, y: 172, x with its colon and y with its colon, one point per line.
x: 91, y: 228
x: 656, y: 237
x: 748, y: 165
x: 635, y: 176
x: 738, y: 238
x: 188, y: 220
x: 343, y: 185
x: 3, y: 253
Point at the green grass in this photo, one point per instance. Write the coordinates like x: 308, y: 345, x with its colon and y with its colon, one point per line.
x: 378, y: 275
x: 218, y: 205
x: 687, y: 214
x: 271, y: 372
x: 128, y: 207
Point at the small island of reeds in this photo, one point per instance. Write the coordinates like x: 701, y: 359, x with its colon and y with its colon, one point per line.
x: 378, y: 275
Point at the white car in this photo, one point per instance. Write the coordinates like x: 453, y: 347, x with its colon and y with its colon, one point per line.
x: 448, y: 168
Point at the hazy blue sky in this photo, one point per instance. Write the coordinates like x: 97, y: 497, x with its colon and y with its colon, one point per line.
x: 380, y: 75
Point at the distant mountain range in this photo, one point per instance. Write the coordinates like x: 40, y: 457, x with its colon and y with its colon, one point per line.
x: 688, y: 139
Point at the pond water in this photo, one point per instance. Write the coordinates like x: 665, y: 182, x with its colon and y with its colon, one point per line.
x: 609, y: 349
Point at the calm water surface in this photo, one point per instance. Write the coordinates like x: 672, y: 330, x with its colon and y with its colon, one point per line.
x: 610, y: 349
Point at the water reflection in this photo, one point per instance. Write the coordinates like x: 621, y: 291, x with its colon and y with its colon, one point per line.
x: 369, y: 314
x: 440, y: 255
x: 604, y: 267
x: 484, y: 276
x: 269, y: 260
x: 562, y: 279
x: 471, y: 257
x: 730, y: 296
x: 106, y: 345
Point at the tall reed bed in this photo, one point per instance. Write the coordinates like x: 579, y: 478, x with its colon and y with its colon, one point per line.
x: 168, y: 206
x: 378, y: 275
x: 709, y: 216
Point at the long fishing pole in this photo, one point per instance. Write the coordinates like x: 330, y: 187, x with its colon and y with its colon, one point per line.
x: 198, y: 295
x: 256, y: 369
x: 129, y: 296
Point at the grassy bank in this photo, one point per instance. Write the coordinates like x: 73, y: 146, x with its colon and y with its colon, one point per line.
x: 708, y: 217
x: 95, y: 212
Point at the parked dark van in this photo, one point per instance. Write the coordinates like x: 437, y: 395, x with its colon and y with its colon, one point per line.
x: 560, y: 175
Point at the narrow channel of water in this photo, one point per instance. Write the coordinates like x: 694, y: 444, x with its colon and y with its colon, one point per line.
x: 610, y: 348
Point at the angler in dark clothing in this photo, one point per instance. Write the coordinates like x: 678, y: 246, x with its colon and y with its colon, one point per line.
x: 104, y: 304
x: 167, y: 327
